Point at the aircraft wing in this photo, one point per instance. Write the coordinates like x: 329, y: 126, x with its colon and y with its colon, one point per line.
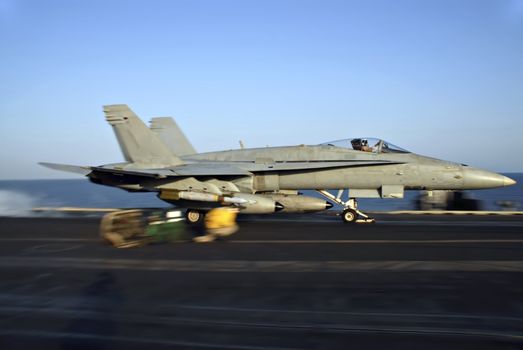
x: 198, y: 169
x: 214, y: 168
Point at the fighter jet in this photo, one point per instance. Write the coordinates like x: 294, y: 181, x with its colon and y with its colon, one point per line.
x: 267, y: 180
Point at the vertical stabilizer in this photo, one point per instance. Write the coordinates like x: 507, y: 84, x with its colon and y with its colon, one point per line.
x: 138, y: 143
x: 173, y: 137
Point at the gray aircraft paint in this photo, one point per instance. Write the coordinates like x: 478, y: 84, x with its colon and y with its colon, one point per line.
x: 407, y: 169
x: 139, y: 145
x: 153, y: 165
x: 171, y: 134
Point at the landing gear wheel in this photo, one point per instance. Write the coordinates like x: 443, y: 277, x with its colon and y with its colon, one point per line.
x: 193, y: 216
x: 349, y: 215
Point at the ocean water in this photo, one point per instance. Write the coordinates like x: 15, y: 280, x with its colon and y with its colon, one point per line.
x: 18, y: 197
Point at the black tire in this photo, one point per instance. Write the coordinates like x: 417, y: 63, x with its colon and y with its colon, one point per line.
x: 194, y: 216
x: 349, y: 216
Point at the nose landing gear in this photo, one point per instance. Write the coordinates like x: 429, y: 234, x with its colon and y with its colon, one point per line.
x: 350, y: 213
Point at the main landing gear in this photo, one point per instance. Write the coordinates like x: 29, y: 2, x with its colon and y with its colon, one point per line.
x: 350, y: 213
x: 194, y: 216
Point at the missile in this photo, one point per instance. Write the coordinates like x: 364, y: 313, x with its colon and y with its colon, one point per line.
x: 235, y: 200
x: 247, y: 203
x: 253, y: 203
x: 197, y: 196
x: 258, y: 204
x: 210, y: 197
x: 299, y: 204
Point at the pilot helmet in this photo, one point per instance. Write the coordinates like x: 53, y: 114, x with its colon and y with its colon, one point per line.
x: 356, y: 142
x: 364, y: 142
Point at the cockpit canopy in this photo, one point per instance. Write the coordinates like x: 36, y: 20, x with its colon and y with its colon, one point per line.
x: 367, y: 144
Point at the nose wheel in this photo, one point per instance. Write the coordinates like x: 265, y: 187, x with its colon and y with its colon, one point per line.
x: 350, y: 213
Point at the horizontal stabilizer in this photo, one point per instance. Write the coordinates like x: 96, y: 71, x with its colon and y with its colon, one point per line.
x: 84, y: 170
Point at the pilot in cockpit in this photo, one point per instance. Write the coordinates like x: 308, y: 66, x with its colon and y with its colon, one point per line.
x: 361, y: 145
x: 365, y: 146
x: 356, y: 144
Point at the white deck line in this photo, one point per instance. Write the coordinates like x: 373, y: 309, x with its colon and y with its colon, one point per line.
x: 75, y: 209
x: 450, y: 212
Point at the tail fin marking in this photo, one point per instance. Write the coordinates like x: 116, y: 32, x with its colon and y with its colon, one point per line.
x: 138, y: 143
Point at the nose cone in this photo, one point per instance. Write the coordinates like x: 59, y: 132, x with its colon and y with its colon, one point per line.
x: 482, y: 179
x: 507, y: 181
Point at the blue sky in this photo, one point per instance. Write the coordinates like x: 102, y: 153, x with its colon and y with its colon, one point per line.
x: 440, y: 78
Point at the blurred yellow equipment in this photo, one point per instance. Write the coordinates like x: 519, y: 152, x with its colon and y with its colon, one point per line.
x: 219, y: 222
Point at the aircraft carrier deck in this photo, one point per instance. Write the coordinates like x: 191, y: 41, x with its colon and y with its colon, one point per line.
x: 406, y: 282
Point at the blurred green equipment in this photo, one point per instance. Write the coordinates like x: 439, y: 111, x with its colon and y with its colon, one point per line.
x: 139, y: 227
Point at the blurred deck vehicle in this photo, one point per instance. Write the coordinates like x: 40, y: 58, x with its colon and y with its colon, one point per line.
x: 135, y: 228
